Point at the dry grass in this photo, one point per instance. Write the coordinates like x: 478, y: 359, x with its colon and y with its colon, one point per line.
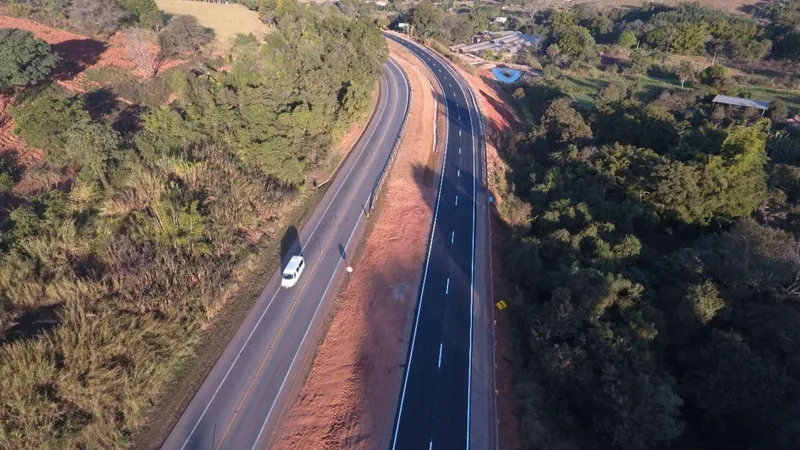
x: 226, y: 20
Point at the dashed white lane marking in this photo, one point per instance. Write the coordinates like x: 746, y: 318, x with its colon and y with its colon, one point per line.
x: 447, y: 288
x: 459, y: 173
x: 456, y: 200
x: 459, y: 151
x: 459, y: 133
x: 440, y: 359
x: 452, y: 236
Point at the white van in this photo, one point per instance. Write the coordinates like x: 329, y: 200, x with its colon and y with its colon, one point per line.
x: 292, y: 271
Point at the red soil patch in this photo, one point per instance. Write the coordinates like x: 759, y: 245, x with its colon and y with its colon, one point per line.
x: 350, y: 397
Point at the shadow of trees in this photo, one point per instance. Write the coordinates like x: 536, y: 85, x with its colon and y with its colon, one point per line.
x: 77, y: 55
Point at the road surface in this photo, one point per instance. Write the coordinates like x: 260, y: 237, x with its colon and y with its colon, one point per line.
x: 253, y: 384
x: 447, y: 399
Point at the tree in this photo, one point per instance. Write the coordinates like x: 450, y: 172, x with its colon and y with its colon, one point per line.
x: 24, y: 60
x: 144, y: 12
x: 778, y: 111
x: 96, y: 16
x: 142, y: 51
x: 457, y: 28
x: 44, y: 119
x: 627, y: 39
x: 686, y: 72
x: 575, y: 41
x: 640, y: 62
x: 714, y: 75
x: 563, y: 124
x: 553, y: 50
x: 92, y: 146
x: 184, y: 34
x: 426, y: 19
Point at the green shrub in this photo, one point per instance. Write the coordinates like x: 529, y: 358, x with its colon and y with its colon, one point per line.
x: 45, y: 117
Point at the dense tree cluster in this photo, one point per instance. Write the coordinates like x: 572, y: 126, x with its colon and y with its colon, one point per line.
x: 688, y: 29
x: 24, y: 60
x: 110, y: 266
x: 656, y: 273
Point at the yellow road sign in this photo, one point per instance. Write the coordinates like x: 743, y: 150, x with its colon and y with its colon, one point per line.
x: 501, y: 305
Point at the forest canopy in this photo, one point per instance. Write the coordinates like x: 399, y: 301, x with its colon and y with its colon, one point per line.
x: 656, y: 271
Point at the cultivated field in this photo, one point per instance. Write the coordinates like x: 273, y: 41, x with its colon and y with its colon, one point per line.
x: 226, y: 20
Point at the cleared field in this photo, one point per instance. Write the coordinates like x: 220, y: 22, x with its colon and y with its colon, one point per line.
x: 226, y: 20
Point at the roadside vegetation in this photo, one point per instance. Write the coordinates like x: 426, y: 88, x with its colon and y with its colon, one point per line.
x: 651, y: 235
x: 139, y: 223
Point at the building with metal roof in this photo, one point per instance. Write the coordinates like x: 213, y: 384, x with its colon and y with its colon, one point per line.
x: 507, y: 41
x: 743, y: 102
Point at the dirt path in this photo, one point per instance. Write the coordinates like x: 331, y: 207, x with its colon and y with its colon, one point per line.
x: 351, y: 395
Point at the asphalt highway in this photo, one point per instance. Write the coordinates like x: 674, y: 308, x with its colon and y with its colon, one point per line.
x: 447, y: 396
x: 250, y: 389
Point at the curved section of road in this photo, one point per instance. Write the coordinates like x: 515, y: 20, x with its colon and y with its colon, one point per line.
x: 447, y: 399
x: 251, y: 387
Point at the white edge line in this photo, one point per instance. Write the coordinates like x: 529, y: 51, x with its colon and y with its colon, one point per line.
x: 213, y: 396
x: 424, y: 279
x: 313, y: 318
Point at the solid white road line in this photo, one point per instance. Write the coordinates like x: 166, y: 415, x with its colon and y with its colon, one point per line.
x: 440, y: 355
x: 447, y: 288
x: 258, y: 322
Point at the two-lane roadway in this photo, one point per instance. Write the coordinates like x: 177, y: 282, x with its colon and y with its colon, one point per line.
x: 447, y: 397
x: 251, y: 387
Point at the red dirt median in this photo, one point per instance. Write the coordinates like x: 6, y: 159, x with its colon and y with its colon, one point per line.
x: 350, y: 397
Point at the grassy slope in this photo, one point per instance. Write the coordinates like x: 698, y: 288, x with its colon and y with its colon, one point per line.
x: 226, y: 20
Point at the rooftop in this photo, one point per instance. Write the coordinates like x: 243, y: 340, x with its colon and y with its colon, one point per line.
x: 738, y: 101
